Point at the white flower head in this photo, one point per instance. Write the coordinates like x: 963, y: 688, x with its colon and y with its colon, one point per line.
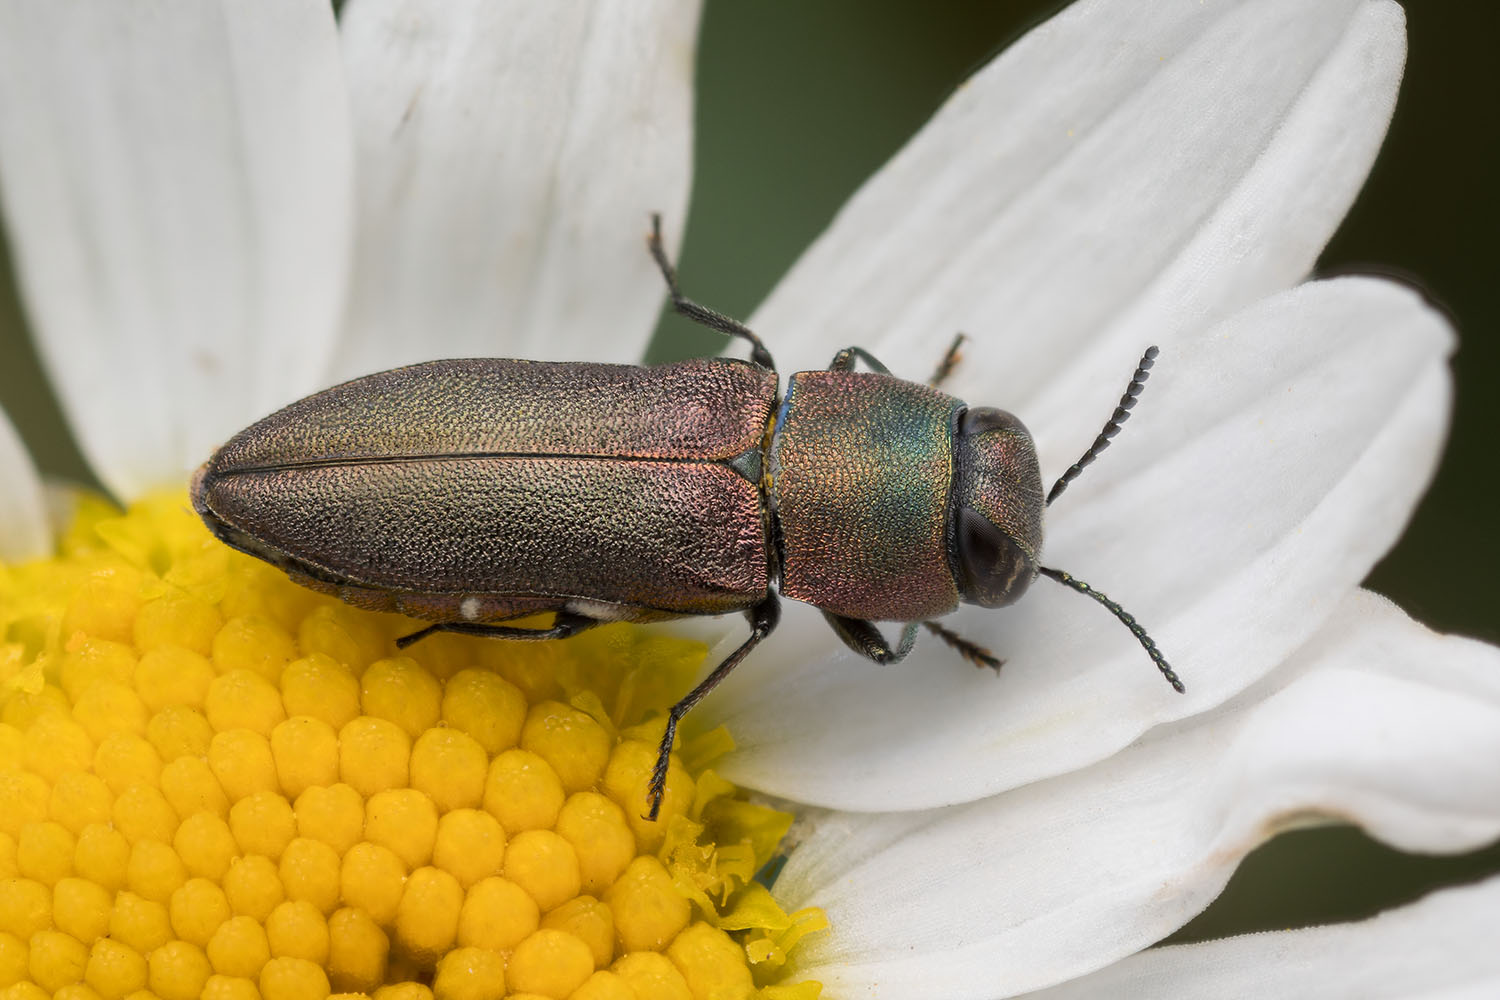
x: 216, y: 208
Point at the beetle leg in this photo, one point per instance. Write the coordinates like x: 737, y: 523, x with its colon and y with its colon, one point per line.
x: 865, y: 639
x: 950, y: 361
x: 843, y: 361
x: 971, y: 651
x: 763, y: 618
x: 563, y: 625
x: 702, y: 314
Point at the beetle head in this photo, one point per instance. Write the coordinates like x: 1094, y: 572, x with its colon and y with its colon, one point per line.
x: 997, y: 508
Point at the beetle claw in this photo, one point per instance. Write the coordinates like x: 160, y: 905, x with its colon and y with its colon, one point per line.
x: 657, y: 790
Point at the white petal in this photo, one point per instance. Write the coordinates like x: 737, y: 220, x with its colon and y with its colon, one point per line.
x: 176, y: 178
x: 1443, y: 945
x: 1134, y: 168
x: 23, y: 511
x: 1376, y: 721
x: 511, y: 154
x: 1271, y: 462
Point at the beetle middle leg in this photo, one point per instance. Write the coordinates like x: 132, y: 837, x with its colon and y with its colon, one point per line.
x: 865, y: 639
x: 703, y: 315
x: 564, y: 625
x: 763, y: 618
x: 844, y: 360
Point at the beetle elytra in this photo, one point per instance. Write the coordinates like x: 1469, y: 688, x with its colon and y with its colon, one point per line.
x: 471, y: 493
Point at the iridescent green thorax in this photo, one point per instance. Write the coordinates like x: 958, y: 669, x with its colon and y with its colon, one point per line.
x: 860, y: 470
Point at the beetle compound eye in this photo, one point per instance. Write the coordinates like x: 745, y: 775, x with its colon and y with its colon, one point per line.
x: 995, y: 570
x: 996, y: 507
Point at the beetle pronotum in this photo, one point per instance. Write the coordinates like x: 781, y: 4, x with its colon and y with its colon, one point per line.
x: 475, y: 492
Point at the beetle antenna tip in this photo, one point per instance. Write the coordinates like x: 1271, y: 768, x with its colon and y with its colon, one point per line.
x: 1112, y: 427
x: 1126, y: 619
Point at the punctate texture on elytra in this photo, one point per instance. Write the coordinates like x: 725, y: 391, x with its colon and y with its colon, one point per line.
x: 501, y: 479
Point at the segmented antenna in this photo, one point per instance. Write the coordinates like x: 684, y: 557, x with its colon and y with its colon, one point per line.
x: 1126, y: 619
x: 1116, y: 420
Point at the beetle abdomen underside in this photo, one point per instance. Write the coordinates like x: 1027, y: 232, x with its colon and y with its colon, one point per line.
x: 486, y: 480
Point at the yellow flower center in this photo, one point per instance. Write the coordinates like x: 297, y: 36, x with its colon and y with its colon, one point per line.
x: 216, y: 783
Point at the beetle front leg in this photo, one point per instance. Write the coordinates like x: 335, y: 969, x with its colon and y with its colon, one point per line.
x: 563, y: 625
x: 865, y: 639
x: 763, y: 618
x: 950, y: 361
x: 971, y: 651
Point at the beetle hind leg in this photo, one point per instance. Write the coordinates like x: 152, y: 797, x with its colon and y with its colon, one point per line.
x: 564, y: 625
x: 702, y: 315
x: 763, y: 618
x: 971, y: 651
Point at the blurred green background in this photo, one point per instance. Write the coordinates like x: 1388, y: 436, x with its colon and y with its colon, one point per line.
x: 798, y: 102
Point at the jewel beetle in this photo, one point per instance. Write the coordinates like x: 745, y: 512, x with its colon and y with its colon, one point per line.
x: 472, y: 493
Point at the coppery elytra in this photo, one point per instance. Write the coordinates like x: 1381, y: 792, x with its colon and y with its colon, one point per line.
x: 472, y: 493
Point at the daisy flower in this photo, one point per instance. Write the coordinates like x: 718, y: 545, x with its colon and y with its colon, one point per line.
x: 217, y: 783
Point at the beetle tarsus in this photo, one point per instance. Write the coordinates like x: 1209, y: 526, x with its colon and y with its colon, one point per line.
x: 701, y: 314
x: 950, y: 361
x: 763, y: 618
x: 971, y: 651
x: 563, y: 625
